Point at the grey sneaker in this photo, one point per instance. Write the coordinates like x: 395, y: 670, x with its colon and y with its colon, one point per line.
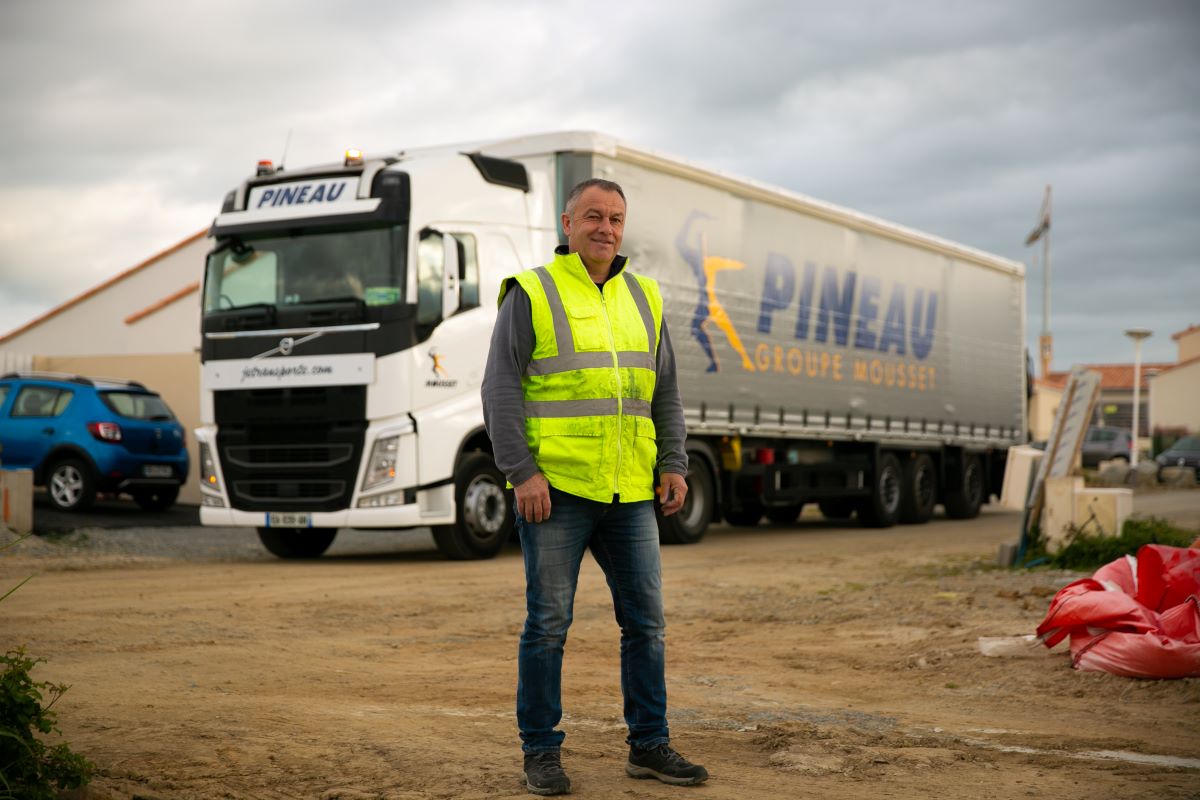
x: 665, y: 764
x: 544, y: 774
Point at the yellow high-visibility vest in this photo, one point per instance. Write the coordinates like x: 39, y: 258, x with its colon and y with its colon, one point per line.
x: 590, y: 381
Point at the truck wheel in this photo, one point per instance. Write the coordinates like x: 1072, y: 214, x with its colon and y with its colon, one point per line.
x: 964, y: 502
x: 484, y: 519
x: 881, y: 508
x: 836, y: 509
x: 159, y: 499
x: 70, y: 485
x: 919, y: 492
x: 784, y: 515
x: 688, y: 524
x: 297, y: 542
x: 748, y: 515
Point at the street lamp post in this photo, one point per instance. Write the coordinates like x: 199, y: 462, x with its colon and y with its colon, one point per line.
x: 1137, y: 334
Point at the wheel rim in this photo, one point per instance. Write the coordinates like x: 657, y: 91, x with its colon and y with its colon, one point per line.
x: 693, y: 504
x: 484, y: 507
x: 66, y: 486
x: 889, y: 489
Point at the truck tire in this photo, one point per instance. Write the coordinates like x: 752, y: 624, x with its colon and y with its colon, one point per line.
x: 918, y: 495
x: 881, y: 508
x: 485, y: 518
x: 688, y: 524
x: 70, y: 485
x: 297, y: 542
x: 747, y: 516
x: 965, y: 501
x: 836, y: 509
x: 784, y: 515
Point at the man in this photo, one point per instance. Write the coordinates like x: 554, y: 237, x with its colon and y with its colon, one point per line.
x: 581, y: 402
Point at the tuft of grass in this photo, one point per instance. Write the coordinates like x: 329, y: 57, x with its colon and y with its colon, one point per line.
x: 1086, y: 551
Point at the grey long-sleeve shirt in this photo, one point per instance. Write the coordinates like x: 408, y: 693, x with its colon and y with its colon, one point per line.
x: 504, y: 402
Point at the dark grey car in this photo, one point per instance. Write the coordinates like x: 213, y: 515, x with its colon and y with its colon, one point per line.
x: 1105, y: 444
x: 1184, y: 453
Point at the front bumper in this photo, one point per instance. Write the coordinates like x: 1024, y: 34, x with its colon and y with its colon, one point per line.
x: 412, y: 515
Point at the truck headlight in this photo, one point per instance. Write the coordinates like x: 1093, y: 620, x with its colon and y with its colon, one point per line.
x: 208, y: 469
x: 382, y: 466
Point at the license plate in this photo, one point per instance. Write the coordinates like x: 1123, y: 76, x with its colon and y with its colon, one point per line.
x: 157, y: 470
x: 277, y: 519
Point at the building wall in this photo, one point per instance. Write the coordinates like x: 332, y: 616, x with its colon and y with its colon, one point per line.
x: 1175, y: 398
x: 175, y: 376
x: 1042, y: 407
x: 1189, y: 344
x: 100, y: 321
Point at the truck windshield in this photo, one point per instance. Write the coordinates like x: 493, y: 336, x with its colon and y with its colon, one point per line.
x: 278, y: 270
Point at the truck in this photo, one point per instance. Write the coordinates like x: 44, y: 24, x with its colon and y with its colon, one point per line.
x: 825, y: 356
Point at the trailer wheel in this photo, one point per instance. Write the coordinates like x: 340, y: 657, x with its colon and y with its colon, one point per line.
x: 881, y: 508
x: 688, y: 524
x: 297, y: 542
x: 964, y: 502
x: 485, y: 518
x: 784, y: 515
x: 836, y: 509
x: 919, y: 492
x: 748, y: 515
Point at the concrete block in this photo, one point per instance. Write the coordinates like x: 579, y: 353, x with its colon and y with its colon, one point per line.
x: 1177, y: 476
x: 1113, y: 473
x: 1058, y: 514
x: 1022, y: 463
x: 1102, y: 512
x: 1144, y: 474
x: 16, y: 500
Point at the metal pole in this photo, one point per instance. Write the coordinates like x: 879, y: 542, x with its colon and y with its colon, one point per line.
x: 1137, y: 334
x: 1137, y: 400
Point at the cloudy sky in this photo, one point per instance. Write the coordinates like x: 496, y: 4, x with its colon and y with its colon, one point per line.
x: 123, y: 124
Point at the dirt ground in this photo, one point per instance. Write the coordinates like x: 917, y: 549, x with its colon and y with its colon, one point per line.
x: 816, y: 660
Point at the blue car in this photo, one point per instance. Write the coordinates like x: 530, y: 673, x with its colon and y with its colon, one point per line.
x: 82, y: 436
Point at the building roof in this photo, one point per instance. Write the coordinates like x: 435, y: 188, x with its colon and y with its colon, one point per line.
x: 1187, y: 363
x: 1112, y: 376
x: 100, y: 287
x: 1185, y: 332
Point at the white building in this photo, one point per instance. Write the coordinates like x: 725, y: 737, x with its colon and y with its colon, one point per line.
x: 142, y: 324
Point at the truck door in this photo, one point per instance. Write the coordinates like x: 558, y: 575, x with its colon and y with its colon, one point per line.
x: 458, y: 276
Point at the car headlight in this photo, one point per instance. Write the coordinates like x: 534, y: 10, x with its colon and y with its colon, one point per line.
x: 208, y: 469
x: 382, y: 466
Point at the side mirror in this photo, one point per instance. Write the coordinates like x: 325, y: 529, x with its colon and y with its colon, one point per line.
x: 451, y: 287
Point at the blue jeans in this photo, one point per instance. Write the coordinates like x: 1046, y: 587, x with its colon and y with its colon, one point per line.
x: 623, y: 538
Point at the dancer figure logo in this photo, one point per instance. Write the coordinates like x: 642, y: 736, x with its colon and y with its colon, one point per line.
x: 694, y: 250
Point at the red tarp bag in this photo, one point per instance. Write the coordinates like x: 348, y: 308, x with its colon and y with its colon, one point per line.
x: 1137, y: 617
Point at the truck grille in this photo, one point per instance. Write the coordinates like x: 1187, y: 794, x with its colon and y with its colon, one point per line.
x: 295, y: 449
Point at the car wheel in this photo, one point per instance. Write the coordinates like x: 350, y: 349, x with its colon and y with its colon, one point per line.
x: 484, y: 519
x: 158, y: 499
x: 297, y: 542
x: 70, y: 485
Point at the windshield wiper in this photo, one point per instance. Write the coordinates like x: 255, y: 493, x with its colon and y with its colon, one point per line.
x: 268, y: 307
x: 349, y: 298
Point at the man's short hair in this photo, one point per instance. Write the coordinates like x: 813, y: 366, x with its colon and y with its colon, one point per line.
x: 583, y: 186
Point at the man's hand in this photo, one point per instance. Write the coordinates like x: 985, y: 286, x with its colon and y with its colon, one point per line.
x: 533, y: 498
x: 671, y: 491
